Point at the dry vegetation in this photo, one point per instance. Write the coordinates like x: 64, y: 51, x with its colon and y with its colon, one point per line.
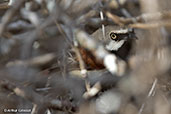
x: 43, y: 71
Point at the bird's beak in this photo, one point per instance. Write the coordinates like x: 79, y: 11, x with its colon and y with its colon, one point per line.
x: 132, y: 34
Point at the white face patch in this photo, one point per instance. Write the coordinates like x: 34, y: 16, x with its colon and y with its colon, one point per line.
x: 121, y: 31
x: 114, y: 45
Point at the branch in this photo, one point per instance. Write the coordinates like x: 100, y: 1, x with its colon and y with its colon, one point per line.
x: 9, y: 15
x: 36, y: 98
x: 148, y: 17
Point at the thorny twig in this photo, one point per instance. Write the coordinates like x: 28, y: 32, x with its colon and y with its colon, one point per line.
x: 151, y: 25
x: 144, y: 20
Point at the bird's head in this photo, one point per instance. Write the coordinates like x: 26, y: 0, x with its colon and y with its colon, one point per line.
x: 116, y: 38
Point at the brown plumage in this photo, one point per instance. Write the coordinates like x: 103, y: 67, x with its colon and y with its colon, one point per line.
x: 90, y: 60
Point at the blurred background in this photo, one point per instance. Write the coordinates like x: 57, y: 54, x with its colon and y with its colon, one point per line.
x: 53, y: 58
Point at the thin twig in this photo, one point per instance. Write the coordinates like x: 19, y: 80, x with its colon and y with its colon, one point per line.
x: 151, y: 25
x: 81, y: 62
x: 148, y: 17
x: 103, y: 27
x: 148, y: 96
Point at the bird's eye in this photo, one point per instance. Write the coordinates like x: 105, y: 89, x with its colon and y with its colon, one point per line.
x: 113, y: 36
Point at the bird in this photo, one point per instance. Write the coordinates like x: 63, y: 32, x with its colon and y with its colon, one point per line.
x: 117, y: 40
